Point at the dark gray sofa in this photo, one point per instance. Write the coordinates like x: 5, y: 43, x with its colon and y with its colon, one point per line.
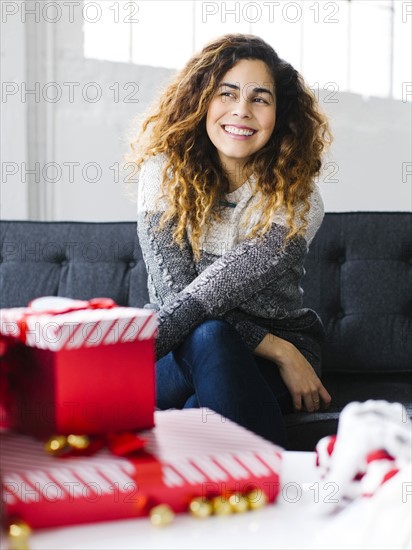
x: 358, y: 278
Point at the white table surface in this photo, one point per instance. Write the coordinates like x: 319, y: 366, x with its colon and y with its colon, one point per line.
x: 287, y: 524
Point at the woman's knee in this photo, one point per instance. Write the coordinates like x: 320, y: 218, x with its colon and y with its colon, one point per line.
x: 212, y: 345
x: 214, y: 331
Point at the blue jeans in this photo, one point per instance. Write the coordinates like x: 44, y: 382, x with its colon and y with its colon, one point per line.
x: 214, y: 368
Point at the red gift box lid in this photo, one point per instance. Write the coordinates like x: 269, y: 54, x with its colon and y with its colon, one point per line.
x: 56, y: 323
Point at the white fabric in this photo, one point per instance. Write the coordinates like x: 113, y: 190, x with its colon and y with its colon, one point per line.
x: 374, y: 505
x: 382, y: 522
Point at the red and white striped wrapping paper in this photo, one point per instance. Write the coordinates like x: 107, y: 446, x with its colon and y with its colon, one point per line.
x: 195, y: 452
x: 88, y: 371
x: 76, y: 329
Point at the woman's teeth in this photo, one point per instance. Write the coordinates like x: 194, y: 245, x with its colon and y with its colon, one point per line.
x: 238, y: 131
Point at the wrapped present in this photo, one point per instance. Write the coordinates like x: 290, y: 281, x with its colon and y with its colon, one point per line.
x: 190, y: 456
x: 71, y: 366
x: 372, y: 445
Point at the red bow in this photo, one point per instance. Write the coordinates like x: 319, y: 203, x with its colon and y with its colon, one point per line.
x: 68, y: 305
x: 119, y: 444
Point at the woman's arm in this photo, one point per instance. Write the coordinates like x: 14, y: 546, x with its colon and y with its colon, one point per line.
x: 297, y: 373
x: 232, y: 279
x: 252, y: 334
x: 172, y: 269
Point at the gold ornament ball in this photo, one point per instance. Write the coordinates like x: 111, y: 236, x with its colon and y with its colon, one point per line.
x: 201, y: 507
x: 78, y: 441
x: 256, y: 499
x: 161, y: 515
x: 221, y: 506
x: 238, y: 503
x: 56, y: 444
x: 19, y: 532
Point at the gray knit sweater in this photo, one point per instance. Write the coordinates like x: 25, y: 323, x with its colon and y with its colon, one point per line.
x: 253, y: 283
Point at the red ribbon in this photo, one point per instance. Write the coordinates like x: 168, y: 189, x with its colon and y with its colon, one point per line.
x: 7, y: 364
x: 77, y: 305
x: 119, y: 444
x: 148, y: 469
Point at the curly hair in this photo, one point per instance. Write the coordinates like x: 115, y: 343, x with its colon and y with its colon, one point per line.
x: 194, y: 180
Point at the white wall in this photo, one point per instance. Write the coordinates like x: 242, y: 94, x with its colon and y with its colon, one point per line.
x: 370, y: 154
x: 372, y: 136
x: 13, y: 143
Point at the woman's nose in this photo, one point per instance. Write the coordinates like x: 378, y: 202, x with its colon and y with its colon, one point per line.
x: 242, y: 108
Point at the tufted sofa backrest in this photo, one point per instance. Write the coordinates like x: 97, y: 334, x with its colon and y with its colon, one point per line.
x: 358, y: 278
x: 74, y: 259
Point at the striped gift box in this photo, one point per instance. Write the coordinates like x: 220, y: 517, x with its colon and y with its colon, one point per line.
x: 86, y: 370
x: 76, y: 329
x: 194, y: 452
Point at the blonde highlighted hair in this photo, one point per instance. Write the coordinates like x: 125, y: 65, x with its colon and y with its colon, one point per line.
x: 194, y: 181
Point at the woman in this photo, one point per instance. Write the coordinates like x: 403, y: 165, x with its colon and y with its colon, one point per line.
x: 227, y: 207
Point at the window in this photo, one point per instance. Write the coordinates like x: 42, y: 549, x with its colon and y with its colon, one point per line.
x: 360, y: 46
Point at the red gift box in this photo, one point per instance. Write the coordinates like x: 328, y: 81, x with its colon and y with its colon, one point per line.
x: 190, y: 453
x: 78, y: 367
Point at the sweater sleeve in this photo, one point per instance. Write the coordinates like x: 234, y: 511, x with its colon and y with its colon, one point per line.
x: 251, y: 333
x: 170, y: 268
x: 231, y: 280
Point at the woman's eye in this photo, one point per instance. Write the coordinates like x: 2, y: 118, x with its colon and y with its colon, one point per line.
x: 260, y: 100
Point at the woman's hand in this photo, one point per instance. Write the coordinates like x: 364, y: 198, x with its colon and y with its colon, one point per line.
x: 308, y: 392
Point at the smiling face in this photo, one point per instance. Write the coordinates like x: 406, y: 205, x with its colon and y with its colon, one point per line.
x: 242, y: 114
